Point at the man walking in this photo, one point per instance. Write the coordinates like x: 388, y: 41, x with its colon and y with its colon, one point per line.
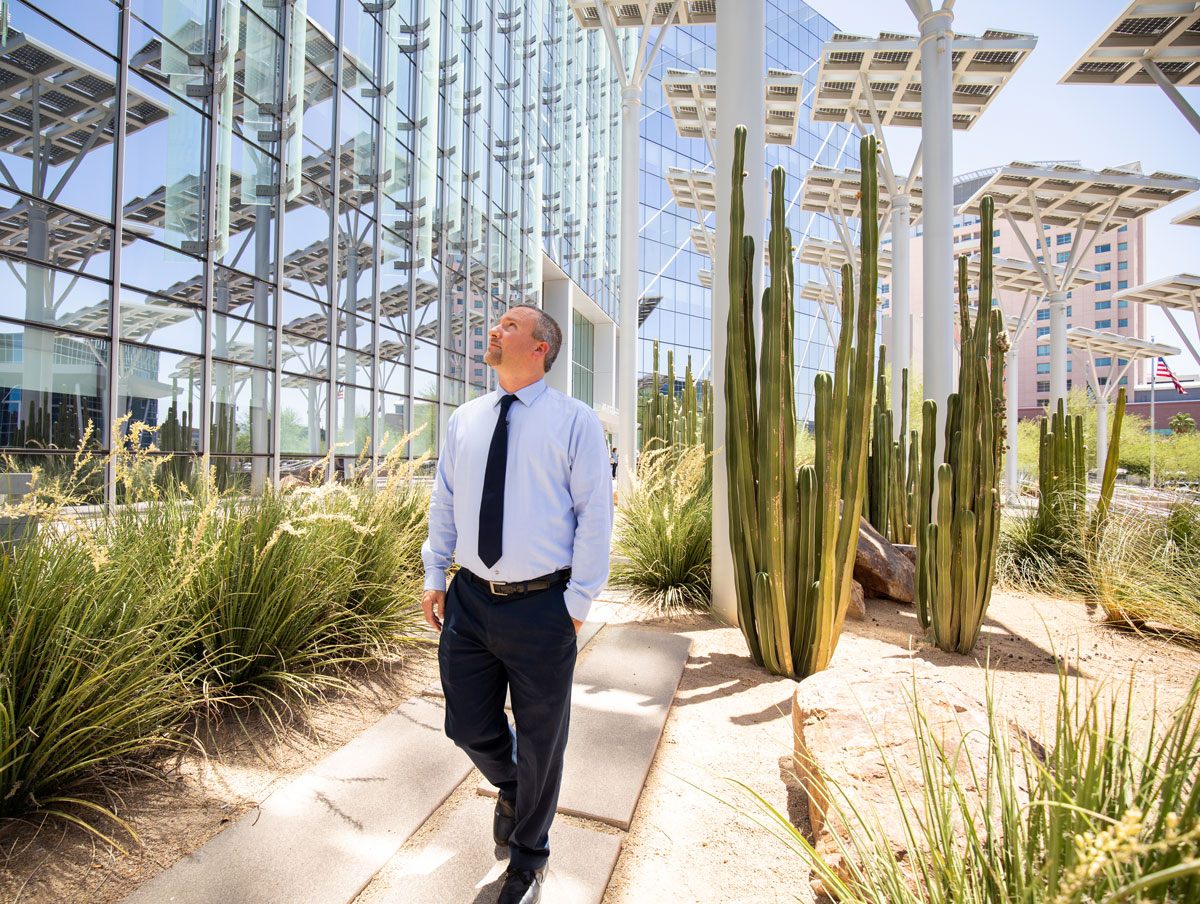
x: 523, y: 501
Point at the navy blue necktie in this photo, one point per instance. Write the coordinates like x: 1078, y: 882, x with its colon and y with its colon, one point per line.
x: 491, y: 505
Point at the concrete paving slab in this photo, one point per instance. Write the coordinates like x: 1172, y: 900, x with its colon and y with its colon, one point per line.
x: 459, y: 863
x: 619, y: 705
x: 320, y: 839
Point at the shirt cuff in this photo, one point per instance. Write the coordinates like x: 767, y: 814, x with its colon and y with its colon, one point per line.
x: 578, y: 605
x: 435, y: 579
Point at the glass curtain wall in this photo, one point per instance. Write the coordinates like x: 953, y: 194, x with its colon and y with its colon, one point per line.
x: 268, y: 230
x: 676, y: 308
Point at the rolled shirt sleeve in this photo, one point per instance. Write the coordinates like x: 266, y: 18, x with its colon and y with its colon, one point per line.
x: 591, y: 494
x: 438, y: 549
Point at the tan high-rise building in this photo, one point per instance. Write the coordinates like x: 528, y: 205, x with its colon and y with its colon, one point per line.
x: 1118, y: 256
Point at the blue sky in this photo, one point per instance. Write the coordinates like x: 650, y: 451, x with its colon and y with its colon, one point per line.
x: 1035, y: 118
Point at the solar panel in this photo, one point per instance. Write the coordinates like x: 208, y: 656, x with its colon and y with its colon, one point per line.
x: 1162, y: 32
x: 856, y: 72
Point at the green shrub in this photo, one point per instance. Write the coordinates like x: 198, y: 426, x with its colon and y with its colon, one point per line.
x: 1112, y: 814
x: 663, y: 532
x: 88, y: 678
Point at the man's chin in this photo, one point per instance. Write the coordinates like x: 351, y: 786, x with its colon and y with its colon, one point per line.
x: 491, y: 358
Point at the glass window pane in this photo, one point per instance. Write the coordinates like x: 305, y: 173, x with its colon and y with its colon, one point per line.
x: 241, y: 399
x: 162, y: 390
x: 243, y: 341
x: 156, y: 321
x: 53, y: 297
x: 52, y: 385
x: 301, y: 355
x: 302, y: 407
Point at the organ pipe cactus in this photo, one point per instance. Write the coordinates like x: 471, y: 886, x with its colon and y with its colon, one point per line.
x: 793, y: 536
x: 957, y: 535
x: 1062, y: 472
x: 667, y: 420
x: 1108, y: 481
x: 891, y: 466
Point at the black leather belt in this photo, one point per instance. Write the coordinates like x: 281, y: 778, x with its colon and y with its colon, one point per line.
x: 516, y: 588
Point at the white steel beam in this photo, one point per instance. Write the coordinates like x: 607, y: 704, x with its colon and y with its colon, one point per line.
x: 937, y: 138
x: 741, y: 50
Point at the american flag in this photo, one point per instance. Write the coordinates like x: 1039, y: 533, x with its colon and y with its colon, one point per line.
x: 1165, y: 372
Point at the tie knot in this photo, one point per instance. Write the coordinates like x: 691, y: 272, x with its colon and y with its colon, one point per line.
x: 506, y: 403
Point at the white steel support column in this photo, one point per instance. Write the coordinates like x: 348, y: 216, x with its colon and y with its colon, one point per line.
x: 937, y: 203
x: 1010, y: 420
x: 900, y: 354
x: 741, y: 56
x: 1101, y: 431
x: 627, y: 370
x: 1058, y: 348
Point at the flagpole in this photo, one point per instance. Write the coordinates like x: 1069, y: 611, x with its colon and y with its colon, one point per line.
x: 1153, y: 384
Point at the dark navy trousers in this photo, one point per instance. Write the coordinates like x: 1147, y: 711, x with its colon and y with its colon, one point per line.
x: 524, y: 645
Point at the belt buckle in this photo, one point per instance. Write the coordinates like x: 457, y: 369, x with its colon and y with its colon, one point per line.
x: 492, y: 588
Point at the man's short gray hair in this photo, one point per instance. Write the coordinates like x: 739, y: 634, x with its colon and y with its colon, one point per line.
x: 546, y: 330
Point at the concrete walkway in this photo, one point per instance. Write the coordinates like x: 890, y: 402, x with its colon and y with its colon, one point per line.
x: 323, y: 838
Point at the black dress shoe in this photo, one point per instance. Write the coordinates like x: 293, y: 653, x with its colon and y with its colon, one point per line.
x: 504, y: 821
x: 522, y: 886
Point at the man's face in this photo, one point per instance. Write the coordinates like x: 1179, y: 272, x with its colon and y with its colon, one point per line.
x: 511, y: 340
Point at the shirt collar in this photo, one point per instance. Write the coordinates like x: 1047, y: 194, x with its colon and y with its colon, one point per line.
x: 526, y: 395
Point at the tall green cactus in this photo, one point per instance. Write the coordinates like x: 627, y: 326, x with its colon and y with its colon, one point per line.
x: 793, y: 536
x: 880, y: 461
x: 957, y: 535
x: 1062, y: 473
x: 1108, y: 482
x: 667, y: 420
x: 891, y: 501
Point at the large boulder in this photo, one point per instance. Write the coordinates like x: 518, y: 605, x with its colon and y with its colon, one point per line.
x: 881, y: 568
x: 858, y: 752
x: 857, y: 610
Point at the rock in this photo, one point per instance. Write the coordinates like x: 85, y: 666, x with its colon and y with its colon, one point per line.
x: 846, y: 717
x: 291, y: 482
x: 881, y: 568
x: 858, y: 604
x: 908, y: 550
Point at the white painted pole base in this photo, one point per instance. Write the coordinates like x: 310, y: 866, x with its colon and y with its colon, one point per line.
x: 1058, y: 349
x: 627, y: 370
x: 1011, y: 475
x: 937, y: 141
x: 900, y: 351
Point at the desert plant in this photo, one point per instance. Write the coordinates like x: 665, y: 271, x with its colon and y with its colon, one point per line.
x: 88, y: 677
x: 793, y: 536
x: 1108, y: 479
x: 956, y: 543
x: 891, y: 499
x: 665, y: 419
x: 663, y: 533
x: 1106, y: 809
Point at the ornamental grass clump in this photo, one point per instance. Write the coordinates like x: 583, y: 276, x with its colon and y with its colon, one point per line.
x: 1107, y: 811
x: 1144, y: 573
x: 662, y: 537
x: 90, y: 682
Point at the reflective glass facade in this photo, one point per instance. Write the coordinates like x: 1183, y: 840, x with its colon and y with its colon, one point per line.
x: 272, y: 228
x: 680, y: 318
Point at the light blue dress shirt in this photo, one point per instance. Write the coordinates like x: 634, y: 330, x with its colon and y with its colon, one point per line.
x: 558, y: 506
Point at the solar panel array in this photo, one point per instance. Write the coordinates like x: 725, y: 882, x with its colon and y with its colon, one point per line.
x: 1165, y: 32
x: 887, y: 70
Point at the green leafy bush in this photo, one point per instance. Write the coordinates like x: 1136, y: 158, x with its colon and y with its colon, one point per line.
x: 663, y: 533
